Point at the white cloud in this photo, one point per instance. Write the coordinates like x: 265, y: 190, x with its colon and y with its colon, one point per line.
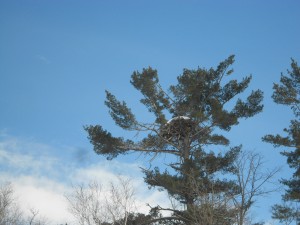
x: 44, y: 195
x: 41, y: 180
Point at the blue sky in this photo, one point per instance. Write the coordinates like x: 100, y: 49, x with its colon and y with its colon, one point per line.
x: 58, y: 57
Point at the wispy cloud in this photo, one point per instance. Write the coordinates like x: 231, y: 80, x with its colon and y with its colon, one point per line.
x: 43, y: 59
x: 20, y: 156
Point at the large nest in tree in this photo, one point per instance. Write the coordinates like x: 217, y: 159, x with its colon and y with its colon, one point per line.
x: 178, y: 129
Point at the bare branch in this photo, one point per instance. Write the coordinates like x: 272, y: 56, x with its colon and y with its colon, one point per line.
x: 251, y: 180
x: 93, y: 205
x: 10, y: 212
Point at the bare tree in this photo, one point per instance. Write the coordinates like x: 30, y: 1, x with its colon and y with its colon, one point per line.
x: 215, y: 208
x: 251, y: 179
x: 230, y: 208
x: 93, y: 205
x: 10, y: 213
x: 35, y: 218
x: 86, y: 204
x: 120, y: 200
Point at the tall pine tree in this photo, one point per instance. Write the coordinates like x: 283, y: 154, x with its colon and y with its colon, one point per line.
x: 288, y: 93
x: 189, y: 121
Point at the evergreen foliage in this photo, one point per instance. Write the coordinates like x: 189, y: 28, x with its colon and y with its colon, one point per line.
x: 288, y: 93
x: 202, y: 105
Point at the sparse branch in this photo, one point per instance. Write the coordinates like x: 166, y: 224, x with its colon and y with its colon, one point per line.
x: 35, y: 218
x: 34, y: 213
x: 10, y: 212
x: 93, y: 205
x: 165, y: 93
x: 168, y: 151
x: 251, y: 180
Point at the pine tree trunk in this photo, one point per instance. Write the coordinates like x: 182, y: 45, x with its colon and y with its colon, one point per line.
x: 187, y: 173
